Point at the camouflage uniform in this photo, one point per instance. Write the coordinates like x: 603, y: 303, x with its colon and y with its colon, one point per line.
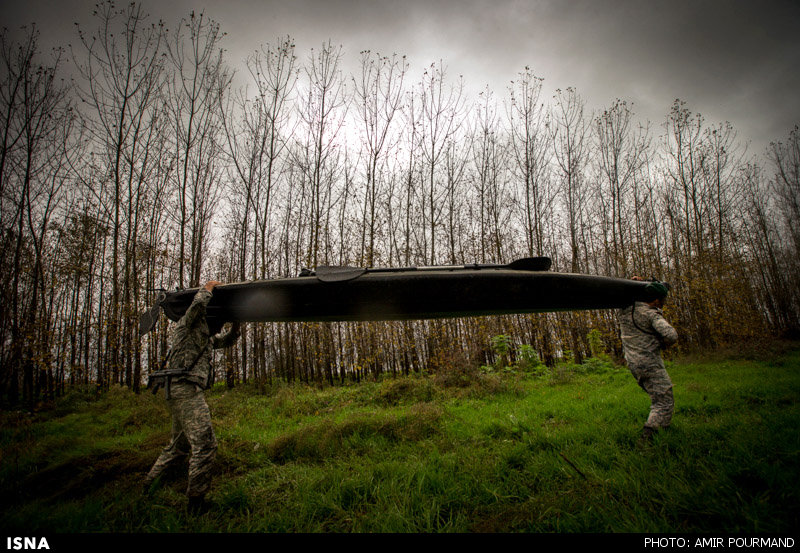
x: 644, y: 333
x: 191, y: 419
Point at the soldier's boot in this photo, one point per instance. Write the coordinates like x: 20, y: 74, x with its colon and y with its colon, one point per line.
x: 197, y: 505
x: 647, y: 435
x: 148, y: 485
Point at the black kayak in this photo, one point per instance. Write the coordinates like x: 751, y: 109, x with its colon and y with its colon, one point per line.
x: 369, y: 294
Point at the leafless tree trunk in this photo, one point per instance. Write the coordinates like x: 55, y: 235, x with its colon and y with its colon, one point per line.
x: 568, y: 130
x: 441, y: 111
x: 378, y: 97
x: 620, y: 156
x: 529, y: 144
x: 121, y: 75
x: 198, y: 82
x: 323, y: 115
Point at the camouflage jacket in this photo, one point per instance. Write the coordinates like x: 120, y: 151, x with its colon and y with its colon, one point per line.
x: 644, y: 332
x: 190, y: 340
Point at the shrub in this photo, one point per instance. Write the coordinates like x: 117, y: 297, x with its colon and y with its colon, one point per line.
x: 528, y: 361
x: 406, y: 390
x: 597, y: 365
x: 596, y: 346
x: 501, y: 346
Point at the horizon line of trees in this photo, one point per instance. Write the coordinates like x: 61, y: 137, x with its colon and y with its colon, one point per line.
x: 148, y: 168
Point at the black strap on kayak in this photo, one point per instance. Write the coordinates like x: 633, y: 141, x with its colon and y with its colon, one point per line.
x: 341, y: 274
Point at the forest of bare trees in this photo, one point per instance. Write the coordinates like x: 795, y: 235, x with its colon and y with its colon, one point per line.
x: 133, y: 161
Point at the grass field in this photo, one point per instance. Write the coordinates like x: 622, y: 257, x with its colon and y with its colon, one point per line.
x: 471, y: 452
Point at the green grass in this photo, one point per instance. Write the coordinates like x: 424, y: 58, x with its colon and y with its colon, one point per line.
x: 473, y: 453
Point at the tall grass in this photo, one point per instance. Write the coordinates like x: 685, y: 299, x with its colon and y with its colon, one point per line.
x: 555, y: 452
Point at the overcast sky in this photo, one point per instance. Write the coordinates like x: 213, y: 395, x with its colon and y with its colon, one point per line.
x: 731, y: 60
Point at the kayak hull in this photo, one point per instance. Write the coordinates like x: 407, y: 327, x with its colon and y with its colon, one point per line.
x: 409, y: 295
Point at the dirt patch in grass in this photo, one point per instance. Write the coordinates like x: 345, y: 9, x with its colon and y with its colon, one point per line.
x: 81, y: 476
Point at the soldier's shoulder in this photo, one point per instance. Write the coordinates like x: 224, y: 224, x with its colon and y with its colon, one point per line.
x: 650, y: 310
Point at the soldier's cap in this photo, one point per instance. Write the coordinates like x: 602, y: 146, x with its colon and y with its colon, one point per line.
x: 657, y: 290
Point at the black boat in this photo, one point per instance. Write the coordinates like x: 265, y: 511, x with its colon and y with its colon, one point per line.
x: 375, y: 294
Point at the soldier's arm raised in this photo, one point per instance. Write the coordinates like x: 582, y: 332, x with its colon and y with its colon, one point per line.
x: 198, y: 307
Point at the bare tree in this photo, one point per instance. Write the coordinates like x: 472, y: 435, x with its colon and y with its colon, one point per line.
x: 378, y: 97
x: 785, y: 158
x: 722, y: 188
x: 568, y: 131
x: 198, y: 82
x: 323, y: 114
x: 441, y: 117
x: 530, y: 147
x: 122, y: 78
x: 684, y: 149
x: 37, y: 122
x: 488, y: 163
x: 621, y: 153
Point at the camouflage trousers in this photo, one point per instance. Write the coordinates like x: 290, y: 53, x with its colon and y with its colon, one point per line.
x: 192, y: 435
x: 656, y: 382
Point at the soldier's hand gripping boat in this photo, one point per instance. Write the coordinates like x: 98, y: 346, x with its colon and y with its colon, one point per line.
x: 378, y: 294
